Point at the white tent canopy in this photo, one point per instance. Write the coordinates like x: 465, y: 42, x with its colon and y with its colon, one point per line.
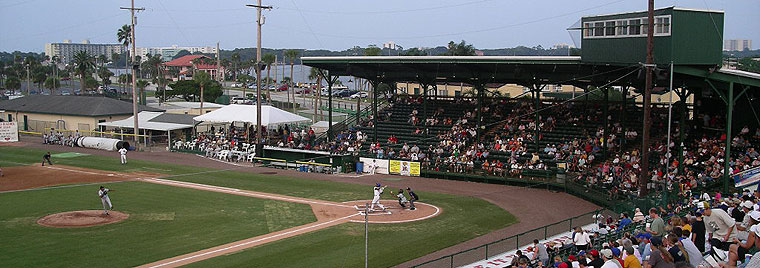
x: 321, y: 126
x: 247, y: 114
x: 144, y: 123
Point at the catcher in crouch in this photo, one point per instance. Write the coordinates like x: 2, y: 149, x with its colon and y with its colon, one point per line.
x: 376, y: 200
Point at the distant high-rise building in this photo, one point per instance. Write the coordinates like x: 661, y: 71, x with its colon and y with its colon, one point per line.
x: 389, y: 45
x: 167, y: 53
x: 737, y: 44
x: 561, y: 45
x: 66, y: 50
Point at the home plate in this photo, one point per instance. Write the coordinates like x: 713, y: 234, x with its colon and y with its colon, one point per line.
x: 376, y: 213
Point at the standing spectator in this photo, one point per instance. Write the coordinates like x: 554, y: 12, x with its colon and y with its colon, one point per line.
x: 721, y: 227
x: 539, y: 252
x: 657, y: 227
x: 698, y: 232
x: 581, y: 239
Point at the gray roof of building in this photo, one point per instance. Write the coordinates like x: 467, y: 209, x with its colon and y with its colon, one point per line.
x: 186, y: 119
x: 71, y: 105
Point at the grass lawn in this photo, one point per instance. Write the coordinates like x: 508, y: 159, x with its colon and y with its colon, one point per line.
x: 164, y: 221
x: 463, y: 218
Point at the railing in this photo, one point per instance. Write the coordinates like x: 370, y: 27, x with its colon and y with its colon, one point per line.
x: 509, y: 243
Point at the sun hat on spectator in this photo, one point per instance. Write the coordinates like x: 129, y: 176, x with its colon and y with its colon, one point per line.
x: 748, y: 204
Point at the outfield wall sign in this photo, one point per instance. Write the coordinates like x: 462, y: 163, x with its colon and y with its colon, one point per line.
x: 8, y: 131
x: 404, y: 168
x: 380, y: 165
x: 747, y: 178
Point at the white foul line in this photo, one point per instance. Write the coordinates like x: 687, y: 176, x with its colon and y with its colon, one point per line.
x: 253, y: 241
x: 241, y: 192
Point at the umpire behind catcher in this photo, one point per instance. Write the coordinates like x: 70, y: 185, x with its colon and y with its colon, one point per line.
x: 412, y: 197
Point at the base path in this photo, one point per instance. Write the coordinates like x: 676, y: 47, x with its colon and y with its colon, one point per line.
x: 328, y: 214
x: 532, y: 207
x: 33, y: 176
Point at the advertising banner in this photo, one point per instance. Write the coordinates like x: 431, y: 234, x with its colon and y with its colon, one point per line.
x: 404, y: 168
x: 747, y: 178
x: 8, y: 132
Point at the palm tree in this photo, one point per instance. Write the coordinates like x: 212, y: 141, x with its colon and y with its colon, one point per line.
x: 202, y: 78
x: 235, y: 59
x: 268, y: 59
x: 141, y: 84
x: 316, y: 74
x: 83, y: 63
x: 291, y: 55
x: 124, y: 35
x: 55, y: 60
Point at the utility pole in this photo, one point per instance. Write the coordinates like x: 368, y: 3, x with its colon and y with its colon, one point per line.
x: 259, y: 22
x: 134, y: 69
x: 218, y: 66
x: 647, y: 102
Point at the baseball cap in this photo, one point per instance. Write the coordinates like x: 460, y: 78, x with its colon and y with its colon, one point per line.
x: 607, y: 253
x: 643, y: 236
x: 656, y: 241
x: 755, y: 215
x: 571, y: 258
x: 594, y: 253
x: 562, y: 265
x: 747, y: 204
x: 754, y: 229
x: 581, y: 253
x: 615, y: 251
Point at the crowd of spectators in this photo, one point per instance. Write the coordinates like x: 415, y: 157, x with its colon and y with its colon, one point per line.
x: 702, y: 230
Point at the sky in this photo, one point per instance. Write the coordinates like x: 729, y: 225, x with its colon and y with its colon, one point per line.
x: 26, y: 25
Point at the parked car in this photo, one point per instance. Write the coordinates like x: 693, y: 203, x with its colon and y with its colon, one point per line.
x: 282, y: 87
x: 346, y: 93
x: 303, y: 90
x: 360, y: 94
x: 65, y: 78
x: 240, y: 100
x: 65, y: 93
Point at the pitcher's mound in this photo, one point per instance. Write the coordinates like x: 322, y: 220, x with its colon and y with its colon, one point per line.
x: 82, y: 218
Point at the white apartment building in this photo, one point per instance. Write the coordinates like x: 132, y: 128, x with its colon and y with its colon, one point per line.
x: 66, y: 50
x: 737, y: 44
x: 167, y: 53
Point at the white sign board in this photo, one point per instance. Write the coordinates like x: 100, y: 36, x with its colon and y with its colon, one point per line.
x: 8, y: 131
x: 381, y: 165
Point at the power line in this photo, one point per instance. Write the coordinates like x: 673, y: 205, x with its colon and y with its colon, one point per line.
x: 308, y: 25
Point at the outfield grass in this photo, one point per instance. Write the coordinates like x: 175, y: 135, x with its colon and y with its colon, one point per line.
x: 164, y: 222
x: 463, y: 218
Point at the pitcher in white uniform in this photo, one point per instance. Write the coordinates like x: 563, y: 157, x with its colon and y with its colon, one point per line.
x: 376, y: 200
x: 123, y: 154
x: 103, y: 194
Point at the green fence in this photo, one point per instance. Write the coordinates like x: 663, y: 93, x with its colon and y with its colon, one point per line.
x: 492, y: 249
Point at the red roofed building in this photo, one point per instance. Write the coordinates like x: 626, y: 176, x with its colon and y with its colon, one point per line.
x: 182, y: 68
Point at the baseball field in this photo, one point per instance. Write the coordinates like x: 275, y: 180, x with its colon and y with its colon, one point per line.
x: 199, y: 216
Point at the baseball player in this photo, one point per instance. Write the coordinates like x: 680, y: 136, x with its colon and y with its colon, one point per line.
x: 401, y: 198
x: 412, y: 197
x: 123, y: 154
x: 376, y: 200
x: 46, y: 157
x: 103, y: 193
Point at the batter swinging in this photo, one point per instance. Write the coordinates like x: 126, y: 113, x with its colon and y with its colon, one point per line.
x: 376, y: 200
